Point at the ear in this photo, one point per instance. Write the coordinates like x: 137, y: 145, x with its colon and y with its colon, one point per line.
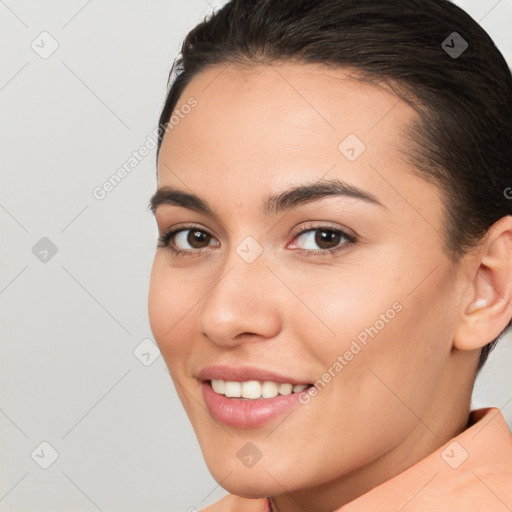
x: 487, y: 308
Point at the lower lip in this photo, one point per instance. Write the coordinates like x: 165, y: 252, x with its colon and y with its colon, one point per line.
x: 246, y: 413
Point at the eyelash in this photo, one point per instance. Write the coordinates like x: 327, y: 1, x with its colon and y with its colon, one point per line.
x: 164, y: 240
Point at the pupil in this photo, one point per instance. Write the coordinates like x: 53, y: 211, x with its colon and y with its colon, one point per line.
x: 330, y: 237
x: 197, y: 236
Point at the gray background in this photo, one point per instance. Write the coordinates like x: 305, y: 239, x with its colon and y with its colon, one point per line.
x: 73, y: 322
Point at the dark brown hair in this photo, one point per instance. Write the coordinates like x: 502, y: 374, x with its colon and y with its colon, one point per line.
x: 462, y: 140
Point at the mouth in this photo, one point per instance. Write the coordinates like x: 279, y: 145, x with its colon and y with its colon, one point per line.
x: 247, y: 396
x: 250, y: 404
x: 254, y: 389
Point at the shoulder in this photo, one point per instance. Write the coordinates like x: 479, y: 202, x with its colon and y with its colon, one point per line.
x: 232, y: 503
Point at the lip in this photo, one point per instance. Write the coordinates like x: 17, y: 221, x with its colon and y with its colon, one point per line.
x: 238, y: 413
x: 245, y: 373
x: 235, y: 412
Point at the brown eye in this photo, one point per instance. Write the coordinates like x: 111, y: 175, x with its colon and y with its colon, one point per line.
x: 327, y: 239
x: 197, y: 239
x: 189, y: 239
x: 323, y: 238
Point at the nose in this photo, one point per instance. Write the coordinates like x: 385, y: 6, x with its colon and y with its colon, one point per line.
x: 242, y: 305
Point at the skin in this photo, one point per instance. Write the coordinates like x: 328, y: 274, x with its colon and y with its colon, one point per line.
x: 258, y: 130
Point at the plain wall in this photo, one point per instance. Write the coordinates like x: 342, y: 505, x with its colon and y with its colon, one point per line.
x: 72, y: 320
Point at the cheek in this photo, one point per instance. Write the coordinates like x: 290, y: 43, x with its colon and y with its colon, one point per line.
x: 169, y: 310
x: 393, y: 349
x: 343, y: 305
x: 390, y: 319
x: 406, y: 350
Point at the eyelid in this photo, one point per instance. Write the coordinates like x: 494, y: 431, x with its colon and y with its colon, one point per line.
x: 167, y: 214
x: 165, y: 239
x: 318, y: 225
x: 312, y: 226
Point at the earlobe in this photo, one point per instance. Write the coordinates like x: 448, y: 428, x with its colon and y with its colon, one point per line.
x: 488, y: 309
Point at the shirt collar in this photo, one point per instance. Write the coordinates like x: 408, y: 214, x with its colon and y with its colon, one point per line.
x: 471, y: 472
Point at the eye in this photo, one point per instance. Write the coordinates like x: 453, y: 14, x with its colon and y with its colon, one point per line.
x: 329, y: 239
x: 177, y: 240
x: 193, y: 240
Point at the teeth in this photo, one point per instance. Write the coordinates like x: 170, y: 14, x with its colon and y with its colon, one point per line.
x: 218, y: 386
x: 269, y: 390
x: 285, y: 389
x: 253, y: 389
x: 233, y: 389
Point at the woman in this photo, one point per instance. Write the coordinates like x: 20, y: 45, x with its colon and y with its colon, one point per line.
x: 335, y: 253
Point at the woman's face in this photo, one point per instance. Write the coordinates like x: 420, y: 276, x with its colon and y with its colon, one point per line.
x: 257, y: 295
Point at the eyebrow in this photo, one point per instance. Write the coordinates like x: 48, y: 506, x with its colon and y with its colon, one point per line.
x: 274, y: 203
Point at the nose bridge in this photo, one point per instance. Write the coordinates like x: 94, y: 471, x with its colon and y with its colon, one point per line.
x: 241, y: 299
x: 244, y: 268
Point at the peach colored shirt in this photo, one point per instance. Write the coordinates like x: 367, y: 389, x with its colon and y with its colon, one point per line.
x: 470, y: 473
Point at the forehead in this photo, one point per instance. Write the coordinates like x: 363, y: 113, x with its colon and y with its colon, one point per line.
x: 265, y: 112
x: 259, y: 129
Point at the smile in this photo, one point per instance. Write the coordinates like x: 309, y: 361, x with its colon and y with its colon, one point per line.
x: 253, y: 389
x: 261, y: 403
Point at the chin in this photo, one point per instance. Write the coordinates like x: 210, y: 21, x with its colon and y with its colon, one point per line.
x: 250, y: 489
x: 247, y: 482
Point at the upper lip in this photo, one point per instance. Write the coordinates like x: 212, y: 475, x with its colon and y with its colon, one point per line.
x: 244, y: 373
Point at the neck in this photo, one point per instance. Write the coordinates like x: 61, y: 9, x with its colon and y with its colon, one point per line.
x: 446, y: 417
